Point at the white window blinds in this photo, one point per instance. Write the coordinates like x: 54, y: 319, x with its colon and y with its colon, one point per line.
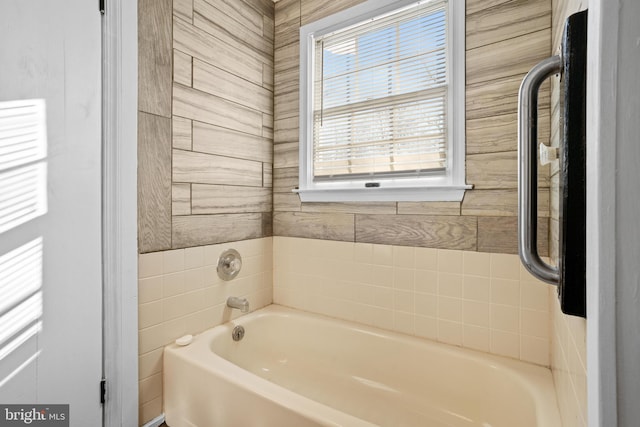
x: 380, y: 96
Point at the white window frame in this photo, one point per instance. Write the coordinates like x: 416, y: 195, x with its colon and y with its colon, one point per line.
x: 450, y: 187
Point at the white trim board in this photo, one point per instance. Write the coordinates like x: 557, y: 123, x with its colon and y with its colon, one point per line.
x: 601, y: 111
x: 119, y: 227
x: 613, y: 241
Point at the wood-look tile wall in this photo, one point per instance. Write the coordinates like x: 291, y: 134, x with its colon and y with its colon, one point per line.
x: 504, y: 40
x: 154, y: 125
x: 206, y: 122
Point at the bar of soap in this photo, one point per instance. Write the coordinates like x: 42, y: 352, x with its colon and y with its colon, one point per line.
x: 184, y: 340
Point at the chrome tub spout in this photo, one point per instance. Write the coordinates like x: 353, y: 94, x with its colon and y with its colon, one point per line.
x: 240, y: 303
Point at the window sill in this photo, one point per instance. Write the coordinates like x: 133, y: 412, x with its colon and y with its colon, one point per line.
x: 452, y: 193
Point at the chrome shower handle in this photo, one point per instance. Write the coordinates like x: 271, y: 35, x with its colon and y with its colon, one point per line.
x: 528, y: 169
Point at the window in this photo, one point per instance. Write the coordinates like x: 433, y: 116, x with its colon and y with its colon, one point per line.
x: 382, y: 103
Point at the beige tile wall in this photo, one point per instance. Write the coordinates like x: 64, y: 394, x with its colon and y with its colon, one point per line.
x: 180, y: 293
x: 483, y: 301
x: 568, y: 339
x: 504, y: 39
x: 569, y: 365
x: 206, y: 122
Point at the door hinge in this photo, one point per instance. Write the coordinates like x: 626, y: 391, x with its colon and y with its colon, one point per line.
x: 101, y: 6
x: 103, y: 390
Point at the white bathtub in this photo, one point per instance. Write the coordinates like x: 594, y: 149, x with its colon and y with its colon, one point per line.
x: 296, y: 369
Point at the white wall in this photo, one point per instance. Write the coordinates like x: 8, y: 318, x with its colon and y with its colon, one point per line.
x: 613, y: 241
x: 627, y: 249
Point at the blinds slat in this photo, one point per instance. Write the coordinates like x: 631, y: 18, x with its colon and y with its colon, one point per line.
x: 426, y: 95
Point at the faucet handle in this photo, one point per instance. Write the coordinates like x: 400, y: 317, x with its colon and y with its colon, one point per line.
x: 234, y: 264
x: 229, y: 264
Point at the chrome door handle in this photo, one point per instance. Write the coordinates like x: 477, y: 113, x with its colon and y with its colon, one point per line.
x: 528, y: 169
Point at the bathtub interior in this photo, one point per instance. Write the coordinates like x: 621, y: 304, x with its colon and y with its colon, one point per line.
x: 384, y: 378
